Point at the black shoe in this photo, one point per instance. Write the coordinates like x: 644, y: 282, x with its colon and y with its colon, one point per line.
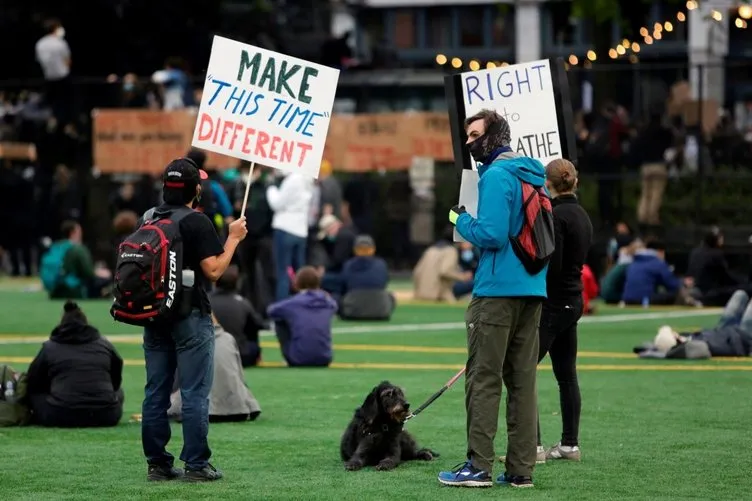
x: 160, y: 473
x: 206, y: 474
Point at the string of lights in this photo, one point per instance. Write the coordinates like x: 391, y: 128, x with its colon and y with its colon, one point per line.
x: 744, y: 12
x: 626, y: 47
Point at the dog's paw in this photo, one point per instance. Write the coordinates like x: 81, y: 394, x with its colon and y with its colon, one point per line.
x: 386, y: 464
x: 353, y: 465
x: 426, y: 455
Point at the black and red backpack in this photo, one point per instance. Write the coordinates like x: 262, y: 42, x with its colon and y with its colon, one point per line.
x: 535, y: 243
x: 148, y: 273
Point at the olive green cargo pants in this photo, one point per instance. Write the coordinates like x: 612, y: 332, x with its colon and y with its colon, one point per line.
x: 502, y: 342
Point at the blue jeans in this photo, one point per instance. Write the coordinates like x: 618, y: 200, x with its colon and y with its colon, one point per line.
x: 737, y: 312
x: 189, y: 348
x: 289, y: 251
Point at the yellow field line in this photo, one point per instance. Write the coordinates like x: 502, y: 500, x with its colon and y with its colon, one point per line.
x: 441, y: 349
x: 413, y: 367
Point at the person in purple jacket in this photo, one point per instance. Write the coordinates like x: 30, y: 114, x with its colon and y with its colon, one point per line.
x: 303, y: 322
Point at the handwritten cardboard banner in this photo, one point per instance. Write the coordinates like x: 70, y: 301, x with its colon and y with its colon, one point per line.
x: 146, y: 140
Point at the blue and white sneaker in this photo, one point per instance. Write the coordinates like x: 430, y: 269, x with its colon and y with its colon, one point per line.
x: 514, y: 480
x: 466, y: 475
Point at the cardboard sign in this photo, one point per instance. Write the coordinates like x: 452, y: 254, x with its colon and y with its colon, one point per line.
x: 265, y: 107
x: 129, y: 141
x: 145, y: 141
x: 533, y: 98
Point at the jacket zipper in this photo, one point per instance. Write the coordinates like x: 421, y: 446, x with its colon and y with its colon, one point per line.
x: 493, y: 264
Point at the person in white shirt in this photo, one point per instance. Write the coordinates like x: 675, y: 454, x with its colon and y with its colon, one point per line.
x: 54, y: 57
x: 291, y: 203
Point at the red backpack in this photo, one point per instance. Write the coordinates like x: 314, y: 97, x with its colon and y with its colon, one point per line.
x: 148, y: 274
x: 536, y: 241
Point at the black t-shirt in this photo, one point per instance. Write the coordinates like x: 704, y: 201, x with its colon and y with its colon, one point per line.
x: 200, y: 241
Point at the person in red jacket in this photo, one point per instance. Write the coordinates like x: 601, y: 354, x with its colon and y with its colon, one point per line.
x: 589, y: 289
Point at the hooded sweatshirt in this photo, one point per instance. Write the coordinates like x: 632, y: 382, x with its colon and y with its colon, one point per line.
x: 646, y: 273
x: 308, y: 315
x: 500, y: 273
x: 77, y: 369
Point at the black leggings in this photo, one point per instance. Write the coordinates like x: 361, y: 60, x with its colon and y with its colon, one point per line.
x: 558, y: 338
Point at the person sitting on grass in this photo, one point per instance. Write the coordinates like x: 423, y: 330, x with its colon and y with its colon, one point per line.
x: 438, y: 276
x: 230, y: 398
x: 731, y: 337
x: 67, y: 270
x: 74, y: 381
x: 238, y: 316
x: 303, y: 322
x: 364, y: 281
x: 650, y: 278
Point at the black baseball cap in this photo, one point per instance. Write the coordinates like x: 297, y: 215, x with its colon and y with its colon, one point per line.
x: 183, y: 173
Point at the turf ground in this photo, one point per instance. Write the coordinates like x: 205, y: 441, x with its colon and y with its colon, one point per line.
x: 651, y: 430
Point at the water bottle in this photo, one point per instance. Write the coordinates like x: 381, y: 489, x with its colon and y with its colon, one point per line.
x: 646, y: 302
x: 189, y: 277
x: 9, y: 392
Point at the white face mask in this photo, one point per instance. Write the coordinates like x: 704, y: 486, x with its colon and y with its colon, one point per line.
x: 60, y: 32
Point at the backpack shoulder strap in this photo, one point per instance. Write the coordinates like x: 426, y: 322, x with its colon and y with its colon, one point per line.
x: 180, y: 213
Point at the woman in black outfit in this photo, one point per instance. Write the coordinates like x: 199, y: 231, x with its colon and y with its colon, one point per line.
x: 564, y: 306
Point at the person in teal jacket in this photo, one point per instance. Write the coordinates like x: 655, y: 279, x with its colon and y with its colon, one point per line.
x: 503, y: 315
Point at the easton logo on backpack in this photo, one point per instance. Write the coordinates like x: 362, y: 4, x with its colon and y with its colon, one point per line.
x: 148, y: 273
x: 535, y: 243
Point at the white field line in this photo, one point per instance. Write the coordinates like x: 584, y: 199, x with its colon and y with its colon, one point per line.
x: 445, y: 326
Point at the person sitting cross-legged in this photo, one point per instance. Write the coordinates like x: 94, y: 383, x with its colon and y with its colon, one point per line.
x: 237, y: 316
x: 74, y: 381
x: 230, y: 399
x: 364, y: 281
x: 303, y: 322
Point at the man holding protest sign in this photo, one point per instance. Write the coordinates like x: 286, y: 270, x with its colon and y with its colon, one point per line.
x: 505, y: 211
x: 502, y: 318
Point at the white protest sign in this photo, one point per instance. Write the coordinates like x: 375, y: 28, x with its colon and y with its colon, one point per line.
x: 524, y: 95
x: 265, y: 107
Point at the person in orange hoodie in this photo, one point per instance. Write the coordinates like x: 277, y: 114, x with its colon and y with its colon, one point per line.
x: 589, y: 289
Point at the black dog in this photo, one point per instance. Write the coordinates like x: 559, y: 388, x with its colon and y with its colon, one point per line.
x: 375, y: 436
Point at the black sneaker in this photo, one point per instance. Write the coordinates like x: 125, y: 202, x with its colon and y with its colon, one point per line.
x: 514, y: 480
x: 161, y: 473
x: 206, y: 474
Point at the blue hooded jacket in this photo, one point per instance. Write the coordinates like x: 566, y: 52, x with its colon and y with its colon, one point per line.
x: 500, y: 273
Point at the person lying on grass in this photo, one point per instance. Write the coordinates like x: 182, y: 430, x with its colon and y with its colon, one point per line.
x: 74, y: 381
x: 731, y: 337
x: 230, y: 398
x: 303, y: 323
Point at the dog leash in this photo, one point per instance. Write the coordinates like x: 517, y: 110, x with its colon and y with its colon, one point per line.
x: 436, y: 395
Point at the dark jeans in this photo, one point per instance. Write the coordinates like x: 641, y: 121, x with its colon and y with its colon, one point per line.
x: 460, y: 289
x: 558, y: 338
x: 331, y: 282
x: 502, y: 342
x: 189, y: 348
x: 289, y: 251
x: 46, y: 414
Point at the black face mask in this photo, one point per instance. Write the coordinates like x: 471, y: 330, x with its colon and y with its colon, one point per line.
x: 483, y: 147
x: 477, y: 151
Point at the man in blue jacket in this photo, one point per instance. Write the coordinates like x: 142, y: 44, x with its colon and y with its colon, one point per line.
x: 649, y: 272
x: 503, y: 315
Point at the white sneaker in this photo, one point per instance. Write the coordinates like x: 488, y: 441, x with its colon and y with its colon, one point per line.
x: 540, y: 456
x: 559, y: 451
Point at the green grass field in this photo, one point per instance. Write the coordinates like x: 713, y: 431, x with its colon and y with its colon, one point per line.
x: 651, y: 430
